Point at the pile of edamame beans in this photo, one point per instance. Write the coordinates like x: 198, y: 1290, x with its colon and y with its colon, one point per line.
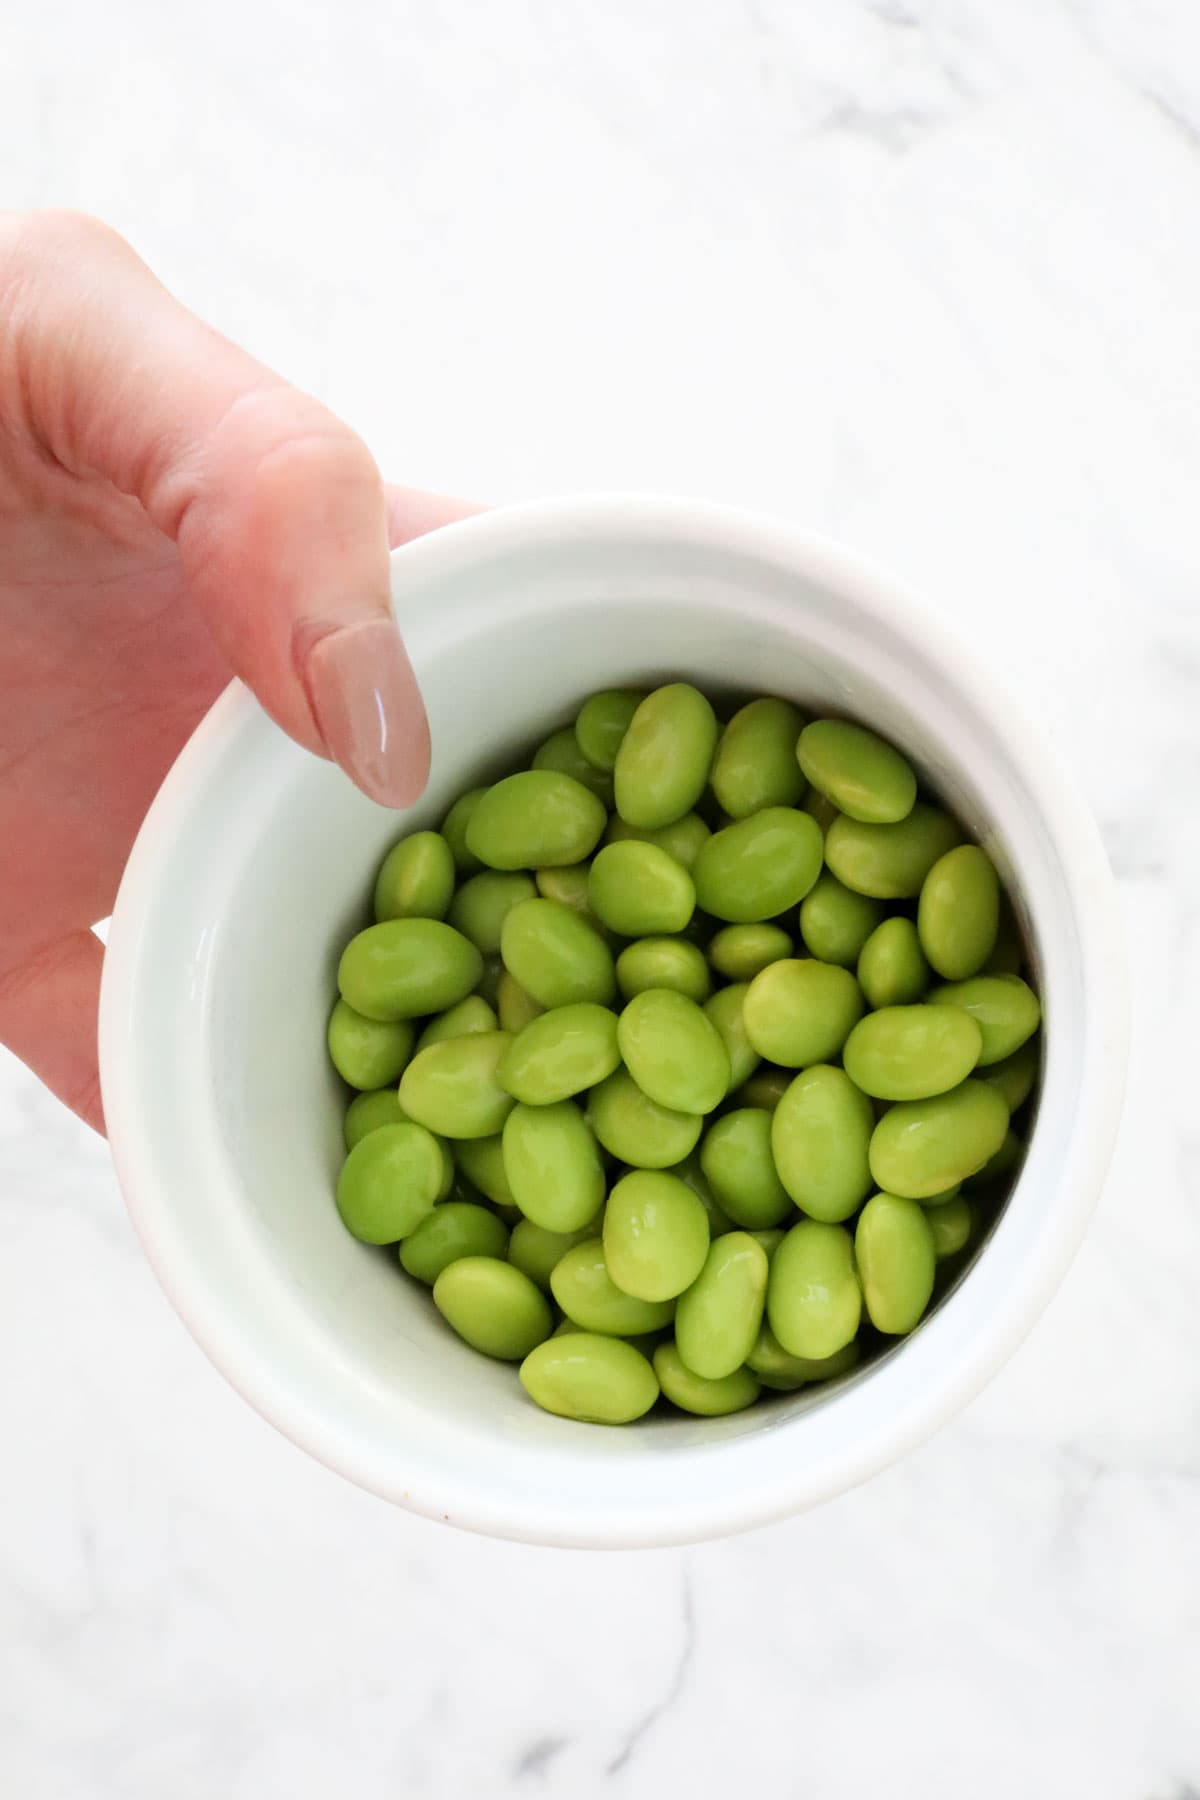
x: 687, y: 1056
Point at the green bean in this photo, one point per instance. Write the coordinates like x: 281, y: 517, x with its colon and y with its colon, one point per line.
x: 452, y: 1087
x: 587, y: 1293
x: 367, y: 1053
x: 778, y: 1368
x: 538, y: 1252
x: 602, y: 723
x: 864, y: 777
x: 389, y: 1181
x: 368, y: 1111
x: 801, y: 1011
x: 725, y: 1010
x: 820, y: 1135
x: 534, y: 820
x: 553, y: 1165
x: 516, y: 1008
x: 892, y: 970
x: 689, y: 1171
x: 635, y: 1129
x: 889, y: 862
x: 655, y: 1235
x: 739, y: 951
x: 759, y: 867
x: 1004, y: 1007
x: 599, y: 1380
x: 693, y: 1394
x: 958, y: 915
x: 454, y: 830
x: 568, y: 885
x: 1007, y: 1159
x: 493, y: 1307
x: 556, y: 955
x: 717, y: 1319
x: 416, y: 878
x: 814, y: 1301
x: 470, y: 1015
x: 735, y: 1155
x: 922, y: 1147
x: 663, y: 759
x: 681, y: 839
x: 406, y: 967
x: 755, y: 763
x: 663, y: 962
x: 639, y: 891
x: 951, y: 1227
x: 1014, y: 1075
x: 835, y: 922
x: 561, y: 1053
x: 481, y: 1160
x: 673, y: 1051
x: 894, y: 1248
x: 454, y: 1229
x: 911, y: 1052
x: 766, y: 1087
x: 482, y: 904
x: 561, y: 752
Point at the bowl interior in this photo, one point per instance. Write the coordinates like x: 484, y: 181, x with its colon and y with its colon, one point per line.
x: 255, y: 868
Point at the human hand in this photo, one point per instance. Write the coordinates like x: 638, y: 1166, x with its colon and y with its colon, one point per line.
x: 171, y: 513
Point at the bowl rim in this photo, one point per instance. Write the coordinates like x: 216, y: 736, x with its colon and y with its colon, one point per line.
x: 475, y: 542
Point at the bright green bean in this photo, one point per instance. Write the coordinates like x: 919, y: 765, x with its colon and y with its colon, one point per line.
x: 778, y: 1368
x: 635, y: 1129
x: 664, y: 757
x: 689, y: 1170
x: 416, y: 878
x: 951, y: 1226
x: 556, y: 955
x: 516, y: 1008
x: 758, y: 867
x: 599, y: 1380
x: 452, y: 1087
x: 681, y: 839
x: 820, y: 1135
x: 655, y: 1235
x: 755, y: 763
x: 739, y: 951
x: 587, y: 1293
x: 911, y: 1052
x: 470, y: 1015
x: 638, y: 890
x: 717, y: 1319
x: 735, y: 1155
x: 1014, y: 1075
x: 454, y: 830
x: 814, y: 1302
x: 958, y: 914
x: 766, y: 1087
x: 892, y: 970
x: 368, y: 1053
x: 406, y: 967
x: 538, y: 1252
x: 553, y: 1165
x: 561, y: 752
x: 889, y: 862
x: 481, y: 1160
x: 664, y: 962
x: 922, y: 1147
x: 493, y: 1307
x: 482, y: 904
x: 673, y: 1051
x: 725, y: 1010
x: 454, y: 1229
x: 894, y: 1249
x: 1004, y: 1007
x: 602, y: 723
x: 801, y: 1011
x: 864, y: 777
x: 568, y: 885
x: 389, y: 1181
x: 693, y: 1394
x: 368, y: 1111
x: 560, y: 1053
x: 835, y: 922
x: 534, y: 820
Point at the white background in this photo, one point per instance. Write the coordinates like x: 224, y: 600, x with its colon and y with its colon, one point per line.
x: 922, y: 273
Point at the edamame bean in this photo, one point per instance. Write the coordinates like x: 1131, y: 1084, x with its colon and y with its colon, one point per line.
x: 673, y: 1051
x: 598, y: 1380
x: 1007, y: 1159
x: 406, y: 967
x: 534, y: 820
x: 481, y: 1160
x: 755, y: 763
x: 470, y: 1015
x: 835, y: 922
x: 553, y: 1165
x: 958, y: 914
x: 587, y: 1293
x: 389, y: 1181
x: 801, y: 1011
x: 944, y: 1197
x: 820, y: 1134
x: 864, y: 777
x: 951, y: 1227
x: 894, y: 1249
x: 367, y: 1112
x: 561, y: 1053
x: 568, y: 885
x: 889, y: 862
x: 655, y: 1235
x: 663, y: 962
x: 778, y: 1368
x: 602, y: 723
x: 640, y: 891
x: 538, y: 1252
x: 454, y: 1229
x: 664, y: 757
x: 735, y: 1155
x: 454, y: 830
x: 922, y: 1147
x: 1004, y: 1007
x: 416, y: 878
x: 739, y: 951
x: 556, y: 955
x: 482, y: 904
x: 368, y: 1053
x: 911, y: 1052
x: 766, y: 1087
x: 452, y: 1087
x: 1014, y: 1075
x: 516, y: 1008
x: 693, y: 1394
x: 760, y: 866
x: 814, y: 1302
x: 681, y: 839
x: 635, y: 1129
x: 717, y: 1319
x: 725, y: 1010
x: 892, y: 970
x: 493, y: 1307
x: 689, y: 1171
x: 561, y: 752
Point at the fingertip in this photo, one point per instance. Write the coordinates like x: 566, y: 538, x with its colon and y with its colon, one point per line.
x: 368, y: 707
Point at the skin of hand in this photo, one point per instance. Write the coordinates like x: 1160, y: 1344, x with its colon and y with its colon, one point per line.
x: 171, y: 514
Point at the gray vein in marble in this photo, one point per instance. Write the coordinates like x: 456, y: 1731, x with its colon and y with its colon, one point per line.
x: 538, y: 1756
x: 674, y: 1688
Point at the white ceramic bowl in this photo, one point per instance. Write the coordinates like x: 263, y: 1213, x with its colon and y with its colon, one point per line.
x: 253, y: 868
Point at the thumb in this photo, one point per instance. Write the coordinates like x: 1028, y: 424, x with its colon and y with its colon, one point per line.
x: 277, y: 508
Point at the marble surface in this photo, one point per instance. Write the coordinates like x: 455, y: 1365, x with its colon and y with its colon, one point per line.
x: 926, y: 274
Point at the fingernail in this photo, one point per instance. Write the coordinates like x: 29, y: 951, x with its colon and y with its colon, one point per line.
x: 368, y: 709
